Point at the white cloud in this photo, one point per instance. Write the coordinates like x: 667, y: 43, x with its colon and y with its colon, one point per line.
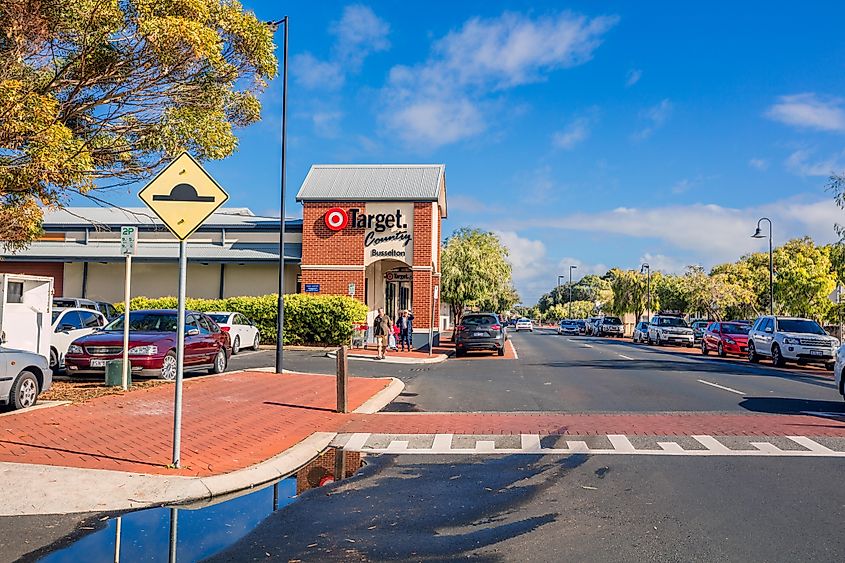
x: 663, y: 263
x: 469, y: 204
x: 583, y: 268
x: 654, y: 118
x: 444, y: 99
x: 575, y: 132
x: 807, y: 110
x: 634, y: 76
x: 358, y: 33
x: 758, y: 163
x: 801, y: 163
x: 327, y: 123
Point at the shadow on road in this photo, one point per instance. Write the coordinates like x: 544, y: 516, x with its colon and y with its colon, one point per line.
x: 784, y: 405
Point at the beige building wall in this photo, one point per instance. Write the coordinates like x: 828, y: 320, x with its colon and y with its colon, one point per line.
x: 73, y: 279
x: 257, y: 279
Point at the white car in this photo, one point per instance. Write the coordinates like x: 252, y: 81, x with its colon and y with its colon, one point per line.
x: 524, y: 324
x: 242, y: 332
x: 791, y: 339
x: 668, y: 329
x: 838, y: 369
x: 23, y: 376
x: 68, y: 325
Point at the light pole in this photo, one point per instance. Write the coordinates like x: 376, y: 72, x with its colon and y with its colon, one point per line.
x: 570, y: 290
x: 280, y: 317
x: 758, y: 234
x: 558, y: 285
x: 647, y: 269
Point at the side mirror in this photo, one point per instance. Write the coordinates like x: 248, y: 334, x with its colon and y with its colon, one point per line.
x: 192, y: 332
x: 66, y: 328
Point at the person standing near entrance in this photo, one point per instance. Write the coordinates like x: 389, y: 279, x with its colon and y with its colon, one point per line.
x: 382, y: 327
x: 405, y: 322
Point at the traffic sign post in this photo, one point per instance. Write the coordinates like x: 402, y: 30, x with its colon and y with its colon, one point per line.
x: 183, y: 196
x: 128, y: 246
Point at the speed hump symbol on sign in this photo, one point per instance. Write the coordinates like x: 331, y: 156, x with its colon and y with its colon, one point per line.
x: 183, y: 196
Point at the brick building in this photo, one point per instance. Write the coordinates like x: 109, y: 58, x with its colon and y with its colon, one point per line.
x: 373, y: 232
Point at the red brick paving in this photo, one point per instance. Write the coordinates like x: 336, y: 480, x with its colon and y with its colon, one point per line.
x: 229, y: 422
x: 629, y: 424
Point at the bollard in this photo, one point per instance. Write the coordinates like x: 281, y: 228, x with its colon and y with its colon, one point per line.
x: 342, y: 379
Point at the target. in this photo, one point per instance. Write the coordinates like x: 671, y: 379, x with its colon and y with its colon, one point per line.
x: 336, y: 219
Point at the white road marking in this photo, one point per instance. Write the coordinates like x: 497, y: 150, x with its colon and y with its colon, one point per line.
x: 530, y: 442
x: 442, y: 443
x: 485, y: 446
x: 588, y: 345
x: 357, y: 441
x: 721, y: 387
x: 626, y: 357
x: 712, y: 444
x: 621, y: 443
x: 515, y: 355
x: 812, y: 445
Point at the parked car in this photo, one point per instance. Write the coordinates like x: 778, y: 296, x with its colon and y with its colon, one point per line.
x: 610, y: 326
x: 791, y: 339
x: 839, y: 368
x: 567, y: 326
x: 107, y: 309
x: 242, y: 332
x: 582, y: 326
x: 23, y: 376
x: 590, y: 325
x: 480, y: 331
x: 68, y: 325
x: 726, y: 338
x: 524, y: 324
x: 152, y: 345
x: 668, y: 329
x: 698, y: 329
x: 640, y: 332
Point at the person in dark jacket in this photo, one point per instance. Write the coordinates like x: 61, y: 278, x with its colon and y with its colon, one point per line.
x: 405, y: 322
x: 382, y: 327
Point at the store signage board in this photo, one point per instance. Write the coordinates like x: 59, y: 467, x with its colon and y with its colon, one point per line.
x: 312, y: 288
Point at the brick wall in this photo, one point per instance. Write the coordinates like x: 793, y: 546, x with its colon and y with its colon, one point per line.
x: 320, y: 245
x: 336, y: 282
x: 55, y: 270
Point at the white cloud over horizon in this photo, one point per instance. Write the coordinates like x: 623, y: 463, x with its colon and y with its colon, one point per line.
x: 808, y: 110
x: 654, y: 118
x: 802, y: 163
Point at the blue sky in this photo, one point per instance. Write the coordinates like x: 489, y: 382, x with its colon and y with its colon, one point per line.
x: 592, y: 133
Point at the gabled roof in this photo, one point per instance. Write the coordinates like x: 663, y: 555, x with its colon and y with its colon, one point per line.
x: 375, y: 182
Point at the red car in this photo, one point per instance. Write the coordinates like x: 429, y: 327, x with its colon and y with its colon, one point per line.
x: 726, y: 338
x: 152, y: 345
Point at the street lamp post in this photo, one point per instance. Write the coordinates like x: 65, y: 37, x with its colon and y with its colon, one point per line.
x: 759, y: 234
x: 570, y: 290
x: 280, y: 319
x: 558, y: 286
x: 647, y: 269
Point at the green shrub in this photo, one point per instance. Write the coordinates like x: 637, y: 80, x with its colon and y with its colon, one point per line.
x: 309, y: 319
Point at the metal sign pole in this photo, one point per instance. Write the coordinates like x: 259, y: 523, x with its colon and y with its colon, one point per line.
x: 126, y: 287
x: 180, y: 353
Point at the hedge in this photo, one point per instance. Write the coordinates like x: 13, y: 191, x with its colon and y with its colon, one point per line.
x: 309, y: 319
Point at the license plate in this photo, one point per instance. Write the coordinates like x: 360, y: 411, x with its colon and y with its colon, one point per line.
x: 816, y: 353
x: 479, y: 334
x: 98, y: 363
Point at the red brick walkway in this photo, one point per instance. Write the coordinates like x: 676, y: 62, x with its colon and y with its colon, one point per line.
x: 230, y: 422
x: 629, y: 424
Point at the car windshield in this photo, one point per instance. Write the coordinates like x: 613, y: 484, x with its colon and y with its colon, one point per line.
x: 800, y: 325
x: 612, y: 320
x: 735, y: 328
x: 219, y: 318
x: 523, y: 321
x: 56, y: 315
x: 672, y: 321
x: 478, y: 320
x: 147, y: 322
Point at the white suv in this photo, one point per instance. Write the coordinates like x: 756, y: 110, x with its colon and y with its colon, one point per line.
x: 666, y: 329
x: 791, y: 339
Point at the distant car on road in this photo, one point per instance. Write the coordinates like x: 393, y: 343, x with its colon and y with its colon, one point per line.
x: 726, y: 338
x: 610, y: 326
x: 590, y: 325
x: 582, y: 326
x: 242, y: 332
x: 152, y: 345
x: 524, y: 324
x: 68, y: 325
x: 567, y: 326
x: 698, y: 329
x: 668, y: 329
x: 480, y: 331
x: 791, y: 339
x: 23, y: 376
x: 640, y: 332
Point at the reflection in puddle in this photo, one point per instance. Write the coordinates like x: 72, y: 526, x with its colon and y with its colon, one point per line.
x: 194, y: 532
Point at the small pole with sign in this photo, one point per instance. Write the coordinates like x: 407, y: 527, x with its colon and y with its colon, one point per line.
x: 128, y: 246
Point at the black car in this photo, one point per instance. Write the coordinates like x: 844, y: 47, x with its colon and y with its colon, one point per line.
x: 480, y: 331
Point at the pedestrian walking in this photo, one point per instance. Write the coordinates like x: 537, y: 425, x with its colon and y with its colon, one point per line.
x: 391, y: 340
x: 405, y: 324
x: 382, y: 328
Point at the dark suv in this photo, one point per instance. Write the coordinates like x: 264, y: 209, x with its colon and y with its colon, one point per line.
x: 480, y: 331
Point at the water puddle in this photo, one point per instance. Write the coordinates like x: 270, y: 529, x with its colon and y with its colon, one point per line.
x: 194, y: 532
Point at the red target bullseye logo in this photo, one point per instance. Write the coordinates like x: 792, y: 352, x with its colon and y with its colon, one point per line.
x: 336, y: 219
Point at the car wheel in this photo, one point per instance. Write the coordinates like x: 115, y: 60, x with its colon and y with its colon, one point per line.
x: 829, y: 366
x: 219, y: 365
x: 24, y: 392
x: 721, y: 350
x: 168, y: 366
x: 777, y: 357
x: 236, y: 345
x: 257, y: 341
x: 502, y: 351
x: 54, y: 359
x: 658, y: 341
x: 704, y: 349
x: 752, y: 353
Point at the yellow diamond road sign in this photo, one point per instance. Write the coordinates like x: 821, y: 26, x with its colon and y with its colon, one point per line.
x: 183, y: 195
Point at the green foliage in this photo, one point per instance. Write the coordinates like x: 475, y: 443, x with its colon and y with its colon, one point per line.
x: 580, y: 310
x: 309, y: 319
x: 590, y: 288
x: 111, y: 89
x: 803, y: 279
x: 630, y: 292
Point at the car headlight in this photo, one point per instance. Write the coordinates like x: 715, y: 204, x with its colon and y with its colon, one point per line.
x: 74, y: 349
x: 789, y: 340
x: 143, y: 351
x: 730, y: 340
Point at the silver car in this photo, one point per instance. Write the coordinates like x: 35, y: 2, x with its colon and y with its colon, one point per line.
x: 23, y: 376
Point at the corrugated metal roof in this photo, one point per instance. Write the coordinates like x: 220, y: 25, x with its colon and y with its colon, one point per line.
x: 371, y: 182
x: 156, y: 252
x: 225, y: 217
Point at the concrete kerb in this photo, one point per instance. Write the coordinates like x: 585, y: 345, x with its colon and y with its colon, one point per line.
x: 433, y: 359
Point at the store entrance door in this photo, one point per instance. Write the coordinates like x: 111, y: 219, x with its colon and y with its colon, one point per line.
x: 397, y: 293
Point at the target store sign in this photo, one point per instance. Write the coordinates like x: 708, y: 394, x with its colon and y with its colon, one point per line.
x: 388, y: 229
x: 336, y: 219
